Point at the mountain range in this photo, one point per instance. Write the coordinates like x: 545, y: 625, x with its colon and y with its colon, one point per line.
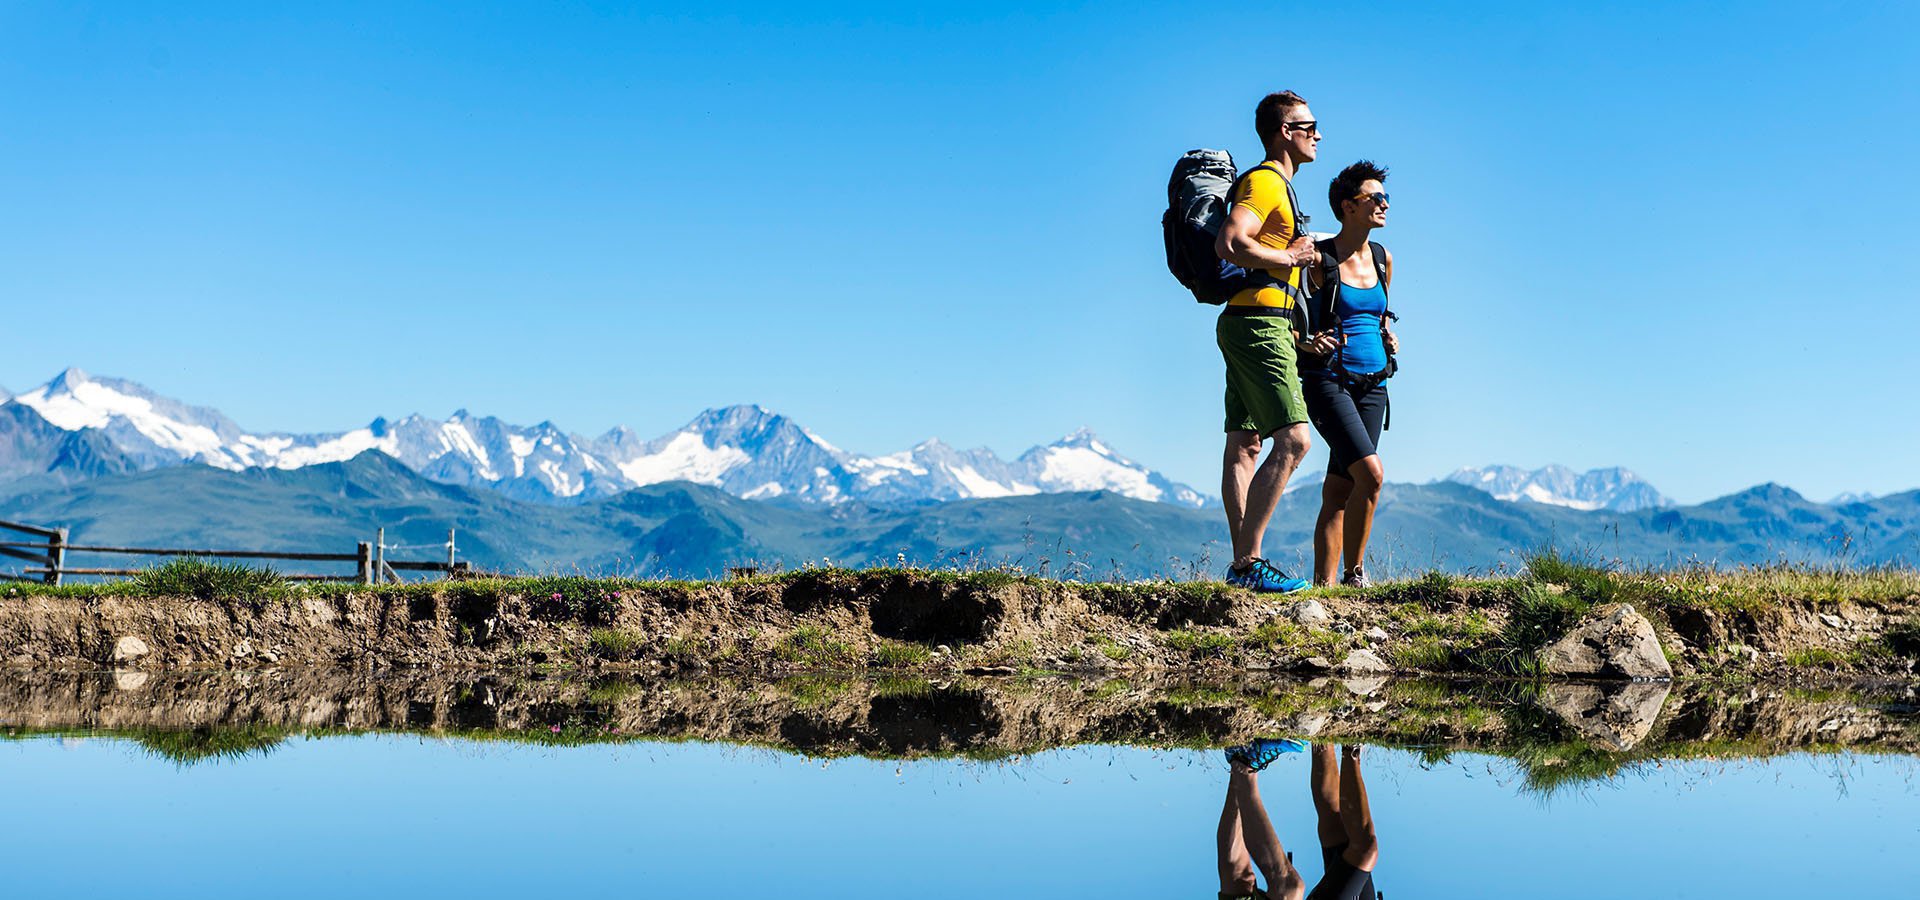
x: 683, y: 529
x: 77, y: 426
x: 116, y: 461
x: 748, y: 451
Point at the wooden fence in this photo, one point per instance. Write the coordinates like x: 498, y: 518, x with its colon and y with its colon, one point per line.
x: 369, y: 558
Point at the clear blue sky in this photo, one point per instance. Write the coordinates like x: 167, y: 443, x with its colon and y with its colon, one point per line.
x: 1664, y: 236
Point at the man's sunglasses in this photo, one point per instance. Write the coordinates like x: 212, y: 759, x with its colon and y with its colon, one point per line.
x: 1379, y: 197
x: 1310, y: 126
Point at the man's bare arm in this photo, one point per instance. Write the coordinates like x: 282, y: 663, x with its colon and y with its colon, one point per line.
x: 1239, y: 243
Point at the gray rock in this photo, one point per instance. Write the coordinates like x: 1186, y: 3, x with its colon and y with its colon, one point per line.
x: 1832, y: 621
x: 129, y: 680
x: 1376, y: 634
x: 996, y: 671
x: 1611, y: 642
x: 1364, y: 685
x: 1309, y: 613
x: 1364, y: 662
x: 1614, y: 717
x: 129, y: 648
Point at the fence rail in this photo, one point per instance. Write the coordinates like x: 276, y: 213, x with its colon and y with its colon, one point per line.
x: 369, y: 558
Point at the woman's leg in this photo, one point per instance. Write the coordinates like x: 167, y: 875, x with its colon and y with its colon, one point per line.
x: 1362, y: 500
x: 1363, y: 848
x: 1327, y: 528
x: 1371, y: 410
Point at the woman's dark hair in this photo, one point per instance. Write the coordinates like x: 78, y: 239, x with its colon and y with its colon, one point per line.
x: 1346, y: 185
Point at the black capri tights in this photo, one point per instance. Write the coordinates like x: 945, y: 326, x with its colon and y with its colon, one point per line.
x: 1347, y: 417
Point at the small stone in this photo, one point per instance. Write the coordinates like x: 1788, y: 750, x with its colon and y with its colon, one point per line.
x: 129, y: 648
x: 244, y: 648
x: 1364, y: 662
x: 1376, y: 634
x: 1309, y: 613
x: 1317, y: 664
x: 990, y: 670
x: 1612, y: 642
x: 1832, y: 621
x: 943, y: 650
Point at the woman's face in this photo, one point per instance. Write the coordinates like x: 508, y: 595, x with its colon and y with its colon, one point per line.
x: 1370, y: 204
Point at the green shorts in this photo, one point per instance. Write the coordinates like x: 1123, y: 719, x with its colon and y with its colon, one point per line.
x: 1263, y: 380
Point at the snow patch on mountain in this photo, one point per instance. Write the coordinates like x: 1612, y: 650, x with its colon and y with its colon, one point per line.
x: 684, y: 456
x: 1613, y: 488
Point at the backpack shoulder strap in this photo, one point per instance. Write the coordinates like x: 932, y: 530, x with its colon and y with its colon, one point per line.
x: 1380, y: 270
x: 1329, y: 291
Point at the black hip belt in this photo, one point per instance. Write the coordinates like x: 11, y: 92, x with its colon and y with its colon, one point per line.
x: 1285, y: 312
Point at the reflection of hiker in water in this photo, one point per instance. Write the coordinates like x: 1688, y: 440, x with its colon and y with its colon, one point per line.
x: 1347, y: 842
x: 1246, y: 837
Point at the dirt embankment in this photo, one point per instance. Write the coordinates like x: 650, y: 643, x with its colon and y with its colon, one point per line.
x: 932, y: 624
x: 1586, y: 728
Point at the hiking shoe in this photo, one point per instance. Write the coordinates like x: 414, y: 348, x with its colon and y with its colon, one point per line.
x: 1263, y: 751
x: 1356, y: 577
x: 1261, y: 577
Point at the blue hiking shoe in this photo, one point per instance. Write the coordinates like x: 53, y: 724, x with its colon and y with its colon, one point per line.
x: 1263, y: 751
x: 1261, y: 577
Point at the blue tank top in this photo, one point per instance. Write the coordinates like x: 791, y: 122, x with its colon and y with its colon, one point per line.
x: 1359, y: 311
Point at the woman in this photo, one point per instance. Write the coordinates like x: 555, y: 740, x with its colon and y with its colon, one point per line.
x: 1346, y: 362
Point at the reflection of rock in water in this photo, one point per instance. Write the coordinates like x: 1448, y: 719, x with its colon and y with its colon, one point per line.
x: 1614, y: 717
x: 194, y: 715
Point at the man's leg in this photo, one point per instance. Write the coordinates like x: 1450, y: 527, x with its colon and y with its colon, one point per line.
x: 1327, y: 528
x: 1237, y: 468
x: 1283, y: 880
x: 1236, y: 868
x: 1368, y: 476
x: 1290, y: 445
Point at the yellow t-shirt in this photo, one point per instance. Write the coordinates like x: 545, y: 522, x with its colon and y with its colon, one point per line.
x: 1264, y: 190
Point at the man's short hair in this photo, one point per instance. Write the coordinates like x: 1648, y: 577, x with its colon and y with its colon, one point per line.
x: 1346, y: 185
x: 1271, y: 112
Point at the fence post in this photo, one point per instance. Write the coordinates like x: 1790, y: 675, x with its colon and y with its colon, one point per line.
x: 364, y: 551
x: 449, y: 553
x: 56, y: 556
x: 380, y: 554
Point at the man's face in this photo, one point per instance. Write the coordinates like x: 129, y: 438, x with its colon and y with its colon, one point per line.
x: 1302, y: 133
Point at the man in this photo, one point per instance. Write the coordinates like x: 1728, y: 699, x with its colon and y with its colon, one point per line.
x: 1265, y: 231
x: 1245, y: 837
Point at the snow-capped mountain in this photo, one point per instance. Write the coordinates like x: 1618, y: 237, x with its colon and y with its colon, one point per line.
x: 1847, y: 497
x: 748, y: 451
x: 1613, y: 488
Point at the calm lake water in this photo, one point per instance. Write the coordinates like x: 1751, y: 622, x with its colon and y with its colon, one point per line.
x: 408, y: 814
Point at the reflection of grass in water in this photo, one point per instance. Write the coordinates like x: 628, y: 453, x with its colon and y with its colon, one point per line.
x: 193, y: 745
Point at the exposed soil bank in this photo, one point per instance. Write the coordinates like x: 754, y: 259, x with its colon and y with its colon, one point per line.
x: 1778, y: 626
x: 1559, y: 732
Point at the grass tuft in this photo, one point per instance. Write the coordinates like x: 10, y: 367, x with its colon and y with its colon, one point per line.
x: 188, y: 576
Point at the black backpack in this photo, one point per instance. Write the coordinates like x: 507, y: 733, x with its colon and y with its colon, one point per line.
x: 1197, y: 200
